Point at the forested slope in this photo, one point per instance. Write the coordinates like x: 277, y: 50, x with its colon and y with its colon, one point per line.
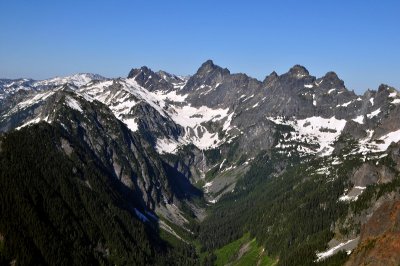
x: 65, y: 210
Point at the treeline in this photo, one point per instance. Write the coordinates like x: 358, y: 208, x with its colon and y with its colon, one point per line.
x: 61, y: 210
x: 291, y: 213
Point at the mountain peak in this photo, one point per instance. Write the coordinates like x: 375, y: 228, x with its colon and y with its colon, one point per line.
x: 332, y: 78
x: 385, y: 87
x: 145, y: 69
x: 150, y: 80
x: 171, y: 78
x: 299, y: 71
x: 209, y: 66
x: 271, y: 77
x: 209, y: 62
x: 136, y: 71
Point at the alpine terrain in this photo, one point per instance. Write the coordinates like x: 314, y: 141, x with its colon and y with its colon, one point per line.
x: 217, y: 168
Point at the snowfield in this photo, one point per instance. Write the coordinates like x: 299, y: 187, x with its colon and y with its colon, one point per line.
x: 314, y: 130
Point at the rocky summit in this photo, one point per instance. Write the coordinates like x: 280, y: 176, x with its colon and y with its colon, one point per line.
x: 161, y: 169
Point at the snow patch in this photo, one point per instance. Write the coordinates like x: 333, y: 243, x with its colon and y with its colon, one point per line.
x: 206, y: 141
x: 34, y: 121
x: 323, y: 171
x: 396, y: 101
x: 74, y: 104
x: 344, y: 104
x: 331, y: 90
x: 319, y: 82
x: 314, y: 130
x: 335, y: 249
x: 374, y: 113
x: 228, y: 121
x: 325, y: 130
x: 166, y: 146
x: 388, y: 139
x: 131, y: 124
x: 353, y: 195
x: 222, y: 164
x: 359, y: 119
x: 169, y: 96
x: 207, y: 186
x: 188, y: 116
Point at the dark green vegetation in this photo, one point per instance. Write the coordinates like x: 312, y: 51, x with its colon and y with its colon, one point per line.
x: 65, y: 210
x: 290, y: 213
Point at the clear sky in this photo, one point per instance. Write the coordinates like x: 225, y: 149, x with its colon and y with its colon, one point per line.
x: 359, y: 40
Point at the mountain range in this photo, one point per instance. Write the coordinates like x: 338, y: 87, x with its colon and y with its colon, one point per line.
x: 213, y: 168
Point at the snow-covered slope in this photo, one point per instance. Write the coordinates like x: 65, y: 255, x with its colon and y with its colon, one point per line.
x: 76, y: 79
x: 313, y: 131
x: 123, y: 95
x: 11, y: 86
x: 167, y: 107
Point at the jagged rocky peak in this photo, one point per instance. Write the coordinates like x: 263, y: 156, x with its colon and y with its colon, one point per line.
x: 299, y: 71
x: 142, y: 72
x: 209, y: 67
x: 330, y: 83
x: 384, y: 95
x: 150, y: 80
x: 385, y: 88
x: 165, y: 74
x: 382, y: 87
x: 333, y: 78
x: 170, y: 77
x: 271, y: 77
x: 369, y: 94
x: 207, y: 75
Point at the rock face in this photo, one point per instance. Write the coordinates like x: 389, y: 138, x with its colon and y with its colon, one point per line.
x: 369, y: 174
x: 380, y: 238
x: 150, y: 80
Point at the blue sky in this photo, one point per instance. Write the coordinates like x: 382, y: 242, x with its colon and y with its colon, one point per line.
x: 359, y: 40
